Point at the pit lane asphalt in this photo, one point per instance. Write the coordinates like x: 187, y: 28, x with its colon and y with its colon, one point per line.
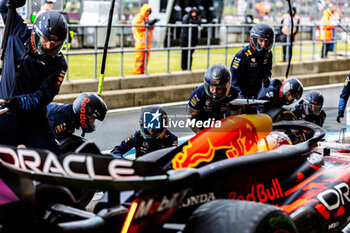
x: 121, y: 123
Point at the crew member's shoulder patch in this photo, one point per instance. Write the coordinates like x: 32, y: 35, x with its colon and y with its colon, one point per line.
x: 248, y: 53
x: 236, y: 62
x: 60, y: 78
x: 347, y: 80
x: 194, y: 100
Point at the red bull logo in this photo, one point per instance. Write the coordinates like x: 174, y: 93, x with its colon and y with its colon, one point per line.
x: 261, y: 192
x: 83, y: 117
x: 238, y: 136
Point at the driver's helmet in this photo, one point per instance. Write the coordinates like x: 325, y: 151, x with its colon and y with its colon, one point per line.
x: 291, y: 90
x: 313, y: 103
x: 90, y: 111
x: 217, y: 77
x: 153, y: 122
x: 49, y: 26
x: 274, y: 140
x: 264, y: 32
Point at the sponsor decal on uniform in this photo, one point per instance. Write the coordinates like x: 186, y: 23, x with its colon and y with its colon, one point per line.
x: 208, y: 102
x: 269, y: 94
x: 260, y: 192
x: 236, y: 62
x: 248, y: 53
x: 265, y: 61
x: 193, y: 102
x: 199, y: 199
x: 253, y: 62
x: 60, y: 78
x: 333, y: 225
x: 196, y: 98
x: 224, y: 108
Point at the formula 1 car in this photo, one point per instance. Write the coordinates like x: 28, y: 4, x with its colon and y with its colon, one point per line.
x: 221, y: 180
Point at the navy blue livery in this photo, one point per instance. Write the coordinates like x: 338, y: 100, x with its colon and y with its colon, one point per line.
x: 144, y: 146
x: 28, y: 84
x: 249, y: 69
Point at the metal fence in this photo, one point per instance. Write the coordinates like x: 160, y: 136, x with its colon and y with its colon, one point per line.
x: 306, y: 46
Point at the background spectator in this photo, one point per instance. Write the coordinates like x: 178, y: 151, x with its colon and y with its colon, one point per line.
x: 47, y: 6
x: 140, y: 37
x: 326, y: 32
x: 192, y: 17
x: 334, y: 20
x: 286, y: 31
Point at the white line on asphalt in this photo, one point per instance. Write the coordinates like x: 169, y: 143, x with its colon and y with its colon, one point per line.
x: 138, y: 108
x: 323, y: 86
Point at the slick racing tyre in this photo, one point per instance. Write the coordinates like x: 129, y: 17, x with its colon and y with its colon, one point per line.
x: 232, y: 216
x: 280, y: 114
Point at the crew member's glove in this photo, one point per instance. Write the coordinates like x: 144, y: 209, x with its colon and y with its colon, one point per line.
x: 10, y: 103
x: 3, y: 107
x: 153, y: 22
x: 266, y: 81
x: 13, y: 4
x: 118, y: 155
x: 340, y: 115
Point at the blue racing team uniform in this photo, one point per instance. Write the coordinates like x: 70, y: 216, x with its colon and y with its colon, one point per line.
x: 272, y: 93
x: 300, y: 114
x: 344, y: 96
x: 144, y: 146
x: 248, y: 70
x: 62, y: 119
x: 29, y: 82
x: 210, y: 109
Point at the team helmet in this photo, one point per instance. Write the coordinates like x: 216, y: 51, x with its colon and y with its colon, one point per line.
x: 153, y: 122
x: 49, y: 26
x: 313, y: 103
x: 90, y: 110
x: 218, y: 77
x: 264, y: 32
x: 291, y: 90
